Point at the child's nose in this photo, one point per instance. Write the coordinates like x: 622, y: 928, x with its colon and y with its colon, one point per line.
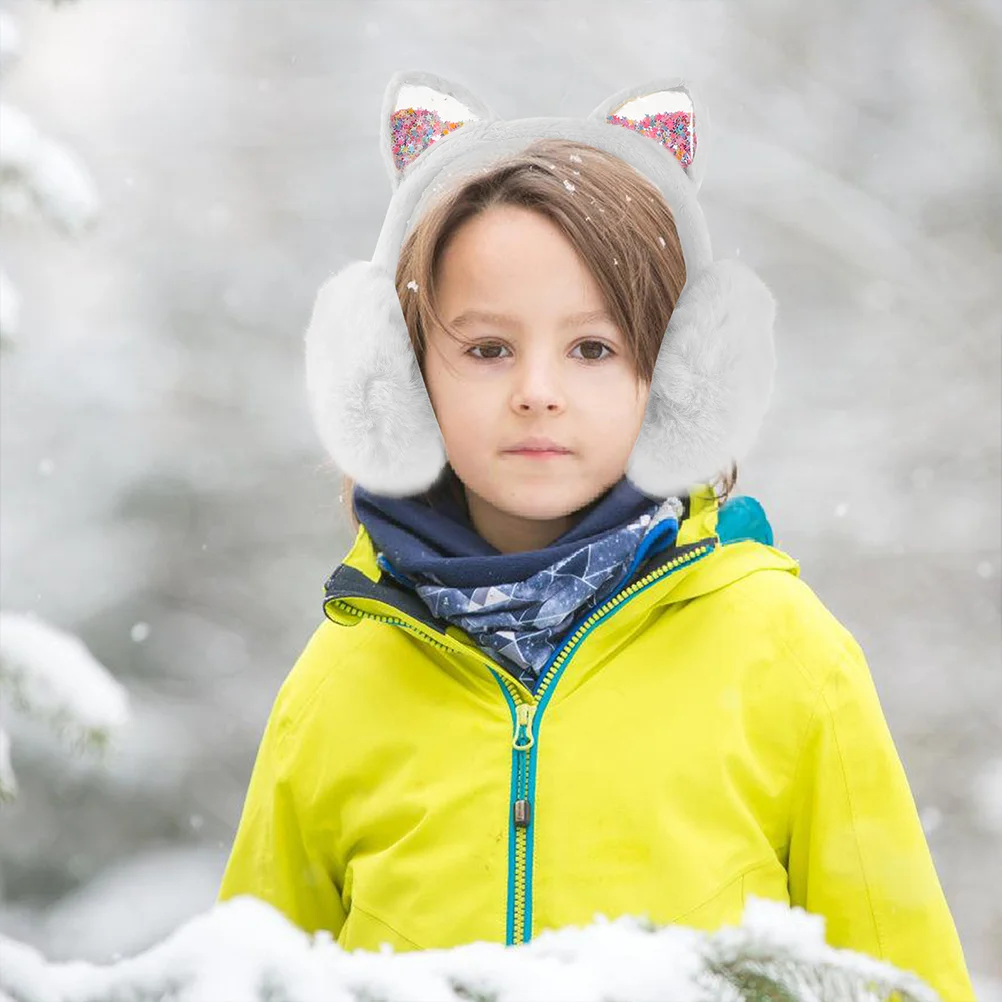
x: 537, y: 387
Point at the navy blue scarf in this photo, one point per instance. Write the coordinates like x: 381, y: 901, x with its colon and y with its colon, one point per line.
x: 516, y: 606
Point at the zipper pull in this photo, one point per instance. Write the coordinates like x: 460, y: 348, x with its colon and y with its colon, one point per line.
x: 522, y: 813
x: 523, y: 727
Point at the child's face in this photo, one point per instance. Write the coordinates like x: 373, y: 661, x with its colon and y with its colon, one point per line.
x: 542, y: 374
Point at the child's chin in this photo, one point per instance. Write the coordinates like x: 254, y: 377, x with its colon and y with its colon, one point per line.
x: 545, y: 503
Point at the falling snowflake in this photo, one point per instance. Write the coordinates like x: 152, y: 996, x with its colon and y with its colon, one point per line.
x: 931, y: 818
x: 987, y: 794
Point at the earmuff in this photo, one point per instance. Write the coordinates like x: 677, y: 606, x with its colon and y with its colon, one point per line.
x: 714, y: 374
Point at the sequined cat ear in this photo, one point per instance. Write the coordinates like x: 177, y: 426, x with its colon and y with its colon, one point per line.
x: 667, y: 112
x: 419, y: 109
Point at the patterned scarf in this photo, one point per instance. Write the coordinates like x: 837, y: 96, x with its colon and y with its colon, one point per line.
x: 516, y: 607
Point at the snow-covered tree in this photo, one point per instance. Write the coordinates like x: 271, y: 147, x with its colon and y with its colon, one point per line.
x: 44, y: 672
x: 37, y: 174
x: 245, y: 951
x: 51, y: 676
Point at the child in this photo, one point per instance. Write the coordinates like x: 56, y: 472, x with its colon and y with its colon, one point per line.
x: 560, y: 674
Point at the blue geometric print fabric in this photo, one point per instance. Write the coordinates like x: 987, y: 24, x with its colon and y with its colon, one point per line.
x: 522, y: 622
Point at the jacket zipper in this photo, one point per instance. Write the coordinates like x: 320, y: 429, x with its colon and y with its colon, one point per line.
x: 526, y: 714
x: 526, y: 717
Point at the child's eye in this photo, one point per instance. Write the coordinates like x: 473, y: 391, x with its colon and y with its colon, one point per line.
x: 591, y: 351
x: 487, y: 351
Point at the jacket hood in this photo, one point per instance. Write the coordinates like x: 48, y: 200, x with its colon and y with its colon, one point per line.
x: 715, y: 546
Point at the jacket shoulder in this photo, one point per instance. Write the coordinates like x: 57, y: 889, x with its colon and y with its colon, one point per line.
x: 787, y: 614
x: 331, y: 651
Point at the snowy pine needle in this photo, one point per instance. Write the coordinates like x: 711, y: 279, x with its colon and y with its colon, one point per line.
x: 245, y: 951
x: 10, y: 41
x: 8, y: 781
x: 10, y: 310
x: 779, y: 954
x: 36, y: 170
x: 50, y: 676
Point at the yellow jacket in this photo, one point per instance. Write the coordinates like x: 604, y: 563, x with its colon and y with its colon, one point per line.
x: 708, y: 733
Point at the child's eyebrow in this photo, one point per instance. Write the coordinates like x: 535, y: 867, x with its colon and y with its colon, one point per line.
x: 468, y: 317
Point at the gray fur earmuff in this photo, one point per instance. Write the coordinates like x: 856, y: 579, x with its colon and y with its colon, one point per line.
x: 714, y: 374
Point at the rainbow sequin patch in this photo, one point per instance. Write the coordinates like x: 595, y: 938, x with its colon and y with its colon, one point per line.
x: 414, y: 130
x: 672, y: 129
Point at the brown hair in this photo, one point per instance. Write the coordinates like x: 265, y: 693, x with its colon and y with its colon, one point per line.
x: 615, y: 218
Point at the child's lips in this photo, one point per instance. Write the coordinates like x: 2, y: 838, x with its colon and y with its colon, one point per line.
x: 539, y: 453
x: 538, y: 447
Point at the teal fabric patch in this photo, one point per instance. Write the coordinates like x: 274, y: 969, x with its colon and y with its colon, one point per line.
x: 743, y: 518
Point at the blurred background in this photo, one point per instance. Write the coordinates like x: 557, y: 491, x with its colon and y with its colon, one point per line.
x: 162, y: 492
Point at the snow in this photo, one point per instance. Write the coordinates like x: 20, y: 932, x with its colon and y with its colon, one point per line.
x: 50, y: 173
x: 244, y: 950
x: 987, y: 795
x: 931, y: 818
x: 10, y: 41
x: 52, y: 676
x: 10, y: 309
x: 165, y: 337
x: 139, y: 632
x: 8, y: 781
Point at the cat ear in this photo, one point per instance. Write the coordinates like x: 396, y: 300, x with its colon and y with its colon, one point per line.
x: 668, y: 112
x: 418, y: 110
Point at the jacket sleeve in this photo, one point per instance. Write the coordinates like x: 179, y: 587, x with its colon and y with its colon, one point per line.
x: 857, y: 853
x: 276, y: 853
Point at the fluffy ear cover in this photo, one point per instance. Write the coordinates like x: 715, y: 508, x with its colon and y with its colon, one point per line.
x: 712, y: 381
x: 365, y: 389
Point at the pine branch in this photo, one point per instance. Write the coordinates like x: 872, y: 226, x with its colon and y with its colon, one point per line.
x: 50, y: 676
x: 245, y: 951
x: 8, y: 781
x: 779, y: 954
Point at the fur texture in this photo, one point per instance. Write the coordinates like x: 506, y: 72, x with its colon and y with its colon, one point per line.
x: 712, y: 381
x: 365, y: 389
x: 714, y: 374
